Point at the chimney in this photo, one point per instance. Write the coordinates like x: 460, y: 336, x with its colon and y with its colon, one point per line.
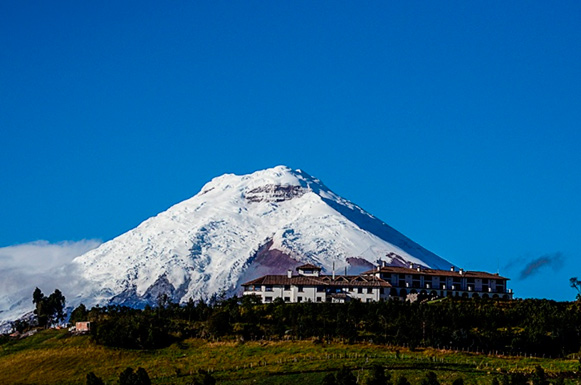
x: 452, y: 268
x: 411, y: 265
x: 461, y: 271
x: 333, y: 270
x: 289, y: 273
x: 419, y: 268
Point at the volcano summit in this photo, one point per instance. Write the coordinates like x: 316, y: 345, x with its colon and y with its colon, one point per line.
x: 238, y: 228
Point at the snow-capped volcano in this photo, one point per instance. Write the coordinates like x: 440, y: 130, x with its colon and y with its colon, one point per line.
x: 236, y: 228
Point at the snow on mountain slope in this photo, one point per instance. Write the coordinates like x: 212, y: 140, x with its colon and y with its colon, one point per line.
x: 237, y: 228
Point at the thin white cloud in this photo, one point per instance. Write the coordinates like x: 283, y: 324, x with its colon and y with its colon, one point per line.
x: 37, y: 264
x: 41, y: 256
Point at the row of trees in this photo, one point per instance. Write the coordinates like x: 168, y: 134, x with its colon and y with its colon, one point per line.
x: 377, y: 375
x: 126, y: 377
x: 49, y: 310
x: 141, y: 377
x: 522, y: 326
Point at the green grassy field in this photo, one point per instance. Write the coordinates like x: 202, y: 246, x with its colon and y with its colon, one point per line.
x: 55, y: 357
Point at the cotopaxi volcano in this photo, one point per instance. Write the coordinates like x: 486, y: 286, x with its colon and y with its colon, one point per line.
x: 237, y: 228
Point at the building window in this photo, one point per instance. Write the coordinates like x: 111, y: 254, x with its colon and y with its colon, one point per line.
x: 301, y: 289
x: 319, y: 299
x: 369, y: 290
x: 320, y: 289
x: 369, y: 300
x: 267, y: 299
x: 300, y: 299
x: 287, y: 287
x: 359, y: 290
x: 268, y: 288
x: 286, y: 299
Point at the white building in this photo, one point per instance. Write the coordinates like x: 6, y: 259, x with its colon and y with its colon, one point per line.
x: 431, y: 283
x: 384, y: 282
x: 312, y: 286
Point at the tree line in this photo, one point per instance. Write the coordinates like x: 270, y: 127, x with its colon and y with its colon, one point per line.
x: 531, y: 326
x: 376, y: 375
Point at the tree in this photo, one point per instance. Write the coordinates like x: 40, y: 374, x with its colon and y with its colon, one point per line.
x: 329, y: 379
x: 576, y: 284
x: 219, y: 324
x: 37, y: 296
x: 142, y: 378
x: 40, y: 311
x: 460, y: 381
x: 79, y: 314
x: 345, y: 377
x: 92, y: 379
x: 49, y: 310
x: 518, y: 379
x: 430, y: 379
x: 129, y: 377
x: 402, y: 380
x: 539, y: 377
x: 202, y: 378
x: 20, y: 325
x: 495, y: 381
x: 126, y: 377
x: 56, y: 306
x: 378, y: 376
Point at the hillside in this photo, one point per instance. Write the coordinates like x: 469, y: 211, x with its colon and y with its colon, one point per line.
x: 53, y: 357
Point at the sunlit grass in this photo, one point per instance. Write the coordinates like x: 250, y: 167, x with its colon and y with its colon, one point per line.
x: 53, y: 357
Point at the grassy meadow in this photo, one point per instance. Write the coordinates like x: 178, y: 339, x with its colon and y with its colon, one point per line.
x: 56, y: 357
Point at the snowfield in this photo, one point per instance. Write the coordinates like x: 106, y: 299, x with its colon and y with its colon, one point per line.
x: 237, y: 228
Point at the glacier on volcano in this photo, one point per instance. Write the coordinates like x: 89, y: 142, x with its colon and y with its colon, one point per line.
x: 237, y: 228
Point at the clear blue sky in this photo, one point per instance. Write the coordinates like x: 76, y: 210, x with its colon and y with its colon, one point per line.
x: 457, y: 123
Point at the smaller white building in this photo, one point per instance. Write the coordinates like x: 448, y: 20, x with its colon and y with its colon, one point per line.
x: 312, y: 286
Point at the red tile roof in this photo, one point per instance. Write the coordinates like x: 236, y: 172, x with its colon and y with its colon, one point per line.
x: 434, y: 272
x: 323, y: 280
